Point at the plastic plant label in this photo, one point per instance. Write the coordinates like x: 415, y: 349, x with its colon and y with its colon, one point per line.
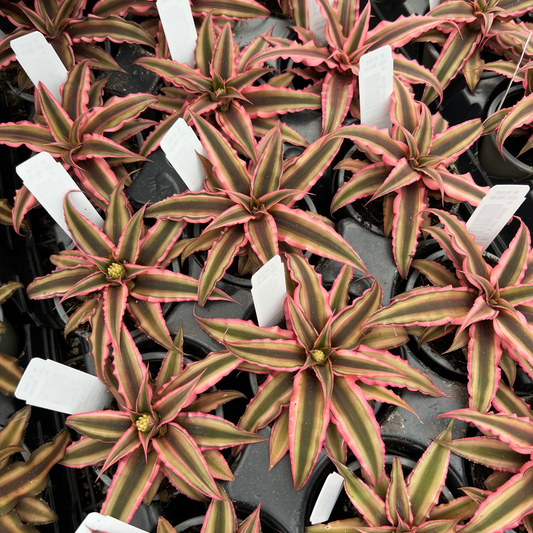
x: 494, y: 211
x: 97, y: 523
x: 375, y: 87
x: 180, y: 32
x: 433, y: 4
x: 269, y: 291
x: 317, y: 23
x: 40, y: 61
x: 49, y: 182
x: 180, y: 145
x: 327, y: 499
x: 51, y: 385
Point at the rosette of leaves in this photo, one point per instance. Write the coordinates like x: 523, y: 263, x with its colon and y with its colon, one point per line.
x: 10, y: 370
x: 222, y: 78
x: 250, y: 207
x: 512, y: 122
x: 81, y: 132
x: 483, y: 304
x: 161, y: 429
x: 506, y: 447
x: 323, y: 370
x: 404, y: 505
x: 118, y: 269
x: 22, y: 481
x: 336, y: 64
x: 412, y: 165
x: 73, y: 37
x: 467, y: 28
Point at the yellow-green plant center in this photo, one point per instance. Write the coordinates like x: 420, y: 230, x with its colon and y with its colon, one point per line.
x: 318, y: 355
x: 114, y: 270
x: 143, y: 423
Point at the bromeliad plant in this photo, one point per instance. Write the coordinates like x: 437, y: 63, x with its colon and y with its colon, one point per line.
x: 483, y: 304
x: 117, y: 269
x: 22, y: 481
x: 82, y: 132
x: 73, y: 38
x: 467, y: 28
x: 249, y: 207
x: 160, y: 429
x: 337, y: 63
x: 399, y: 505
x: 508, y: 449
x: 324, y: 370
x: 222, y: 79
x: 410, y: 166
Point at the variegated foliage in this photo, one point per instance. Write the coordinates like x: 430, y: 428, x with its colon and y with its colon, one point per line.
x: 398, y: 505
x: 10, y: 370
x: 73, y: 36
x: 334, y: 67
x: 161, y: 429
x: 22, y: 481
x: 467, y: 28
x: 227, y: 9
x: 410, y: 167
x: 117, y: 269
x: 250, y: 207
x: 488, y: 307
x: 82, y: 132
x: 222, y: 79
x: 512, y: 121
x: 506, y: 447
x: 324, y: 370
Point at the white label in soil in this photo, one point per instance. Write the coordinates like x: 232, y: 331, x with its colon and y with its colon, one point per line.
x: 269, y: 291
x: 105, y: 524
x: 494, y: 211
x: 49, y: 182
x: 433, y: 4
x: 317, y: 23
x: 180, y: 145
x: 51, y: 385
x: 327, y: 499
x: 375, y: 87
x: 40, y: 61
x: 180, y: 31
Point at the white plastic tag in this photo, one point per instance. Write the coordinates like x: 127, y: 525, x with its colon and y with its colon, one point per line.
x: 327, y: 499
x: 433, y: 4
x: 269, y: 291
x: 180, y: 145
x: 105, y: 524
x: 180, y: 32
x: 51, y: 385
x: 49, y: 182
x: 317, y: 23
x: 494, y: 211
x: 40, y: 61
x: 375, y: 87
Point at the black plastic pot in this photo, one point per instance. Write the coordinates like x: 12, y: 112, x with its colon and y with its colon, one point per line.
x: 496, y: 164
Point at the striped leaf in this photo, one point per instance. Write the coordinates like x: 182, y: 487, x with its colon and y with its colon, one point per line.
x: 86, y: 452
x: 220, y: 516
x: 56, y: 117
x: 362, y: 365
x: 265, y: 101
x: 266, y: 405
x: 398, y: 503
x: 10, y: 374
x: 57, y: 283
x: 238, y: 9
x: 520, y: 114
x: 210, y: 431
x: 133, y: 479
x: 516, y: 333
x: 237, y: 125
x: 172, y: 402
x: 34, y: 136
x: 505, y: 508
x: 357, y: 425
x: 12, y: 435
x: 299, y: 229
x: 308, y: 420
x: 262, y: 235
x: 337, y: 92
x: 433, y: 307
x: 105, y: 426
x: 279, y: 438
x: 149, y: 318
x: 513, y: 263
x: 428, y: 477
x: 178, y: 451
